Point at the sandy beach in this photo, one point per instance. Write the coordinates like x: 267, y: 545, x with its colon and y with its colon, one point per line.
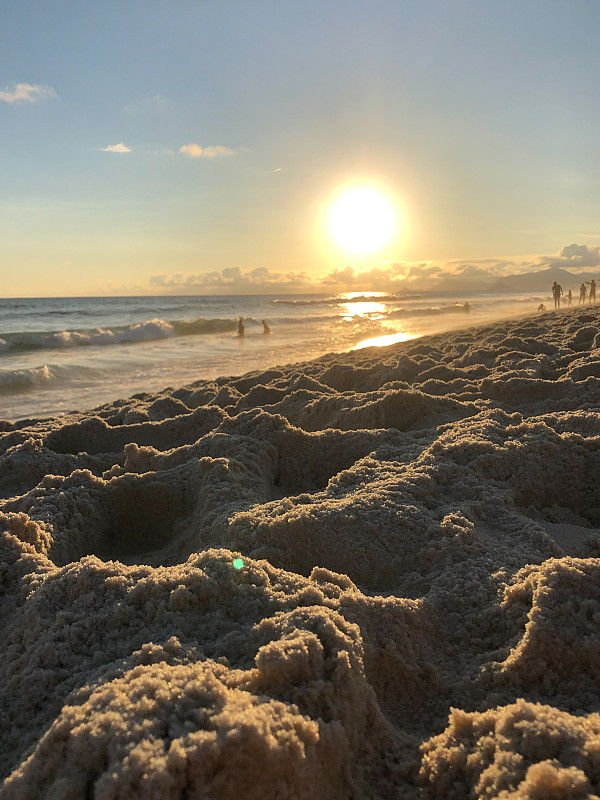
x: 373, y: 575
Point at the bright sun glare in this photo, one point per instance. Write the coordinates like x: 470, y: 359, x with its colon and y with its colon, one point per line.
x: 362, y: 219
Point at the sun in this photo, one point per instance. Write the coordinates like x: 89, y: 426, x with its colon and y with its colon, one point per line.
x: 362, y: 219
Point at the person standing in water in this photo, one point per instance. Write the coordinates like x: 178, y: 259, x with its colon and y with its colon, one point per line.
x: 556, y: 293
x: 582, y: 293
x: 266, y: 328
x: 570, y: 298
x: 241, y: 329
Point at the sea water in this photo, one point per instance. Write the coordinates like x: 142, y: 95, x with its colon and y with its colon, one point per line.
x: 62, y: 354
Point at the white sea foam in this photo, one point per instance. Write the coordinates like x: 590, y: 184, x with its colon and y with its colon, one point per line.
x: 24, y: 379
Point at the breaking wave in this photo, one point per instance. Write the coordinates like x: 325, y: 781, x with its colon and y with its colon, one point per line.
x: 17, y: 381
x: 124, y: 334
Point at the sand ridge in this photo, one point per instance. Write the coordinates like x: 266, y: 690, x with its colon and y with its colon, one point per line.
x: 373, y: 575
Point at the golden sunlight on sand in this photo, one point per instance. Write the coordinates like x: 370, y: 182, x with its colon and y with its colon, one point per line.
x: 371, y: 575
x: 383, y: 341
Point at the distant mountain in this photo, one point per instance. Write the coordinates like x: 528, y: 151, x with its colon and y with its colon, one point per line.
x: 542, y: 281
x: 478, y: 280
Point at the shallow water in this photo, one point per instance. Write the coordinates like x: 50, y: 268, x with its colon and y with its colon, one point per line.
x: 60, y: 354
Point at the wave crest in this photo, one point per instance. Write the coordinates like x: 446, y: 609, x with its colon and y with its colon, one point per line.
x: 150, y: 330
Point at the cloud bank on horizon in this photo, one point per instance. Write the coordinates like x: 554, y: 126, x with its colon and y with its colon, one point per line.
x: 463, y: 275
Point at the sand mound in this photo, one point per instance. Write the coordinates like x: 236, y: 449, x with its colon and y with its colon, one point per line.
x: 524, y: 750
x: 372, y: 575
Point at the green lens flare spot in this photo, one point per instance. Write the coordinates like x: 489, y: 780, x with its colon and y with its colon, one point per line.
x: 238, y: 563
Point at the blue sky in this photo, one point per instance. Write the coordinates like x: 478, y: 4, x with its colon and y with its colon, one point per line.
x: 480, y: 119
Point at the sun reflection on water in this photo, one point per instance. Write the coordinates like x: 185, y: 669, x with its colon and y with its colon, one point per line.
x: 383, y: 341
x: 362, y: 309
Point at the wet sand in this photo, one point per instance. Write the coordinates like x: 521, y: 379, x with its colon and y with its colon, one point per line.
x: 374, y: 575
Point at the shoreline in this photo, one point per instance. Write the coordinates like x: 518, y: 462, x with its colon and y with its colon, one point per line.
x: 79, y: 355
x: 417, y: 596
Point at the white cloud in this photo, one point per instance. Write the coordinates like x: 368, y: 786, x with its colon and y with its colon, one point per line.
x: 195, y: 151
x: 116, y: 148
x: 27, y: 93
x: 578, y: 255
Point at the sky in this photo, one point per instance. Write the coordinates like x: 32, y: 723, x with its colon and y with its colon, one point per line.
x: 197, y: 147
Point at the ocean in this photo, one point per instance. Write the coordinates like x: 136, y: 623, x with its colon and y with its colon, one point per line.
x: 63, y: 354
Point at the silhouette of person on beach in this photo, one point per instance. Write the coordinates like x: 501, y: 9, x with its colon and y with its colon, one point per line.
x: 582, y: 293
x: 467, y: 308
x: 592, y: 284
x: 556, y: 293
x: 241, y: 329
x: 541, y: 307
x: 570, y: 298
x: 266, y: 328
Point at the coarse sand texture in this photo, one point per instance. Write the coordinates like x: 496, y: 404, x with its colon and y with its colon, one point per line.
x: 375, y: 575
